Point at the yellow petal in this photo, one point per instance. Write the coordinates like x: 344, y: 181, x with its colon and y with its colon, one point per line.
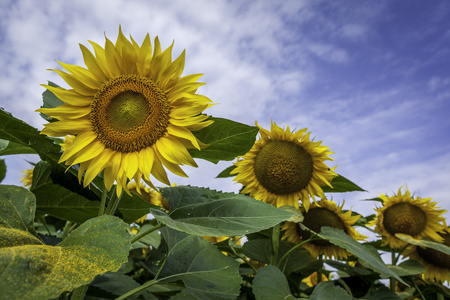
x: 130, y: 164
x: 183, y: 133
x: 92, y: 65
x: 66, y: 127
x: 174, y: 168
x: 158, y: 171
x: 70, y: 97
x: 66, y: 111
x: 173, y: 151
x: 82, y: 74
x: 94, y: 149
x: 79, y: 143
x: 146, y: 158
x: 97, y: 165
x: 76, y: 84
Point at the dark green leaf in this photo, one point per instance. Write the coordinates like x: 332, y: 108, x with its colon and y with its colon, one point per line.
x: 349, y: 270
x: 153, y: 239
x: 226, y: 173
x: 341, y: 185
x: 2, y: 170
x: 367, y: 255
x: 204, y: 270
x: 119, y: 284
x: 271, y: 284
x: 17, y: 208
x: 424, y: 243
x: 44, y: 272
x: 226, y: 139
x: 327, y: 290
x: 201, y: 211
x: 381, y: 292
x: 11, y: 148
x: 408, y: 268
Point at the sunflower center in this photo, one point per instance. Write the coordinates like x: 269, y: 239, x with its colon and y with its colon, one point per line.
x: 404, y: 218
x: 434, y: 257
x: 283, y: 167
x: 315, y: 219
x: 130, y: 113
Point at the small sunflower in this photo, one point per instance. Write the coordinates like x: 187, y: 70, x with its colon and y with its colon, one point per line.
x: 312, y: 280
x: 284, y: 166
x: 130, y: 113
x: 27, y: 178
x: 401, y: 213
x: 323, y: 213
x: 148, y: 194
x: 436, y: 263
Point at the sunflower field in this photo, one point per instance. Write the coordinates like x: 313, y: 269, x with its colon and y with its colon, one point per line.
x: 98, y: 218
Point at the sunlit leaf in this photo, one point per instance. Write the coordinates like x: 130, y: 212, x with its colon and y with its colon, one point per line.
x: 226, y: 139
x: 11, y: 148
x: 271, y: 284
x: 204, y: 270
x: 341, y: 185
x: 17, y: 208
x: 424, y: 243
x: 202, y: 211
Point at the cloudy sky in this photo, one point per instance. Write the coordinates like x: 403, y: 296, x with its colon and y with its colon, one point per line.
x: 371, y: 79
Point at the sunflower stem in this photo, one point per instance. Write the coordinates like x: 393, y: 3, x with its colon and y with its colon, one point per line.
x: 113, y: 204
x: 66, y: 229
x: 141, y: 235
x: 274, y: 244
x: 319, y: 271
x: 101, y: 209
x: 392, y: 280
x: 439, y: 296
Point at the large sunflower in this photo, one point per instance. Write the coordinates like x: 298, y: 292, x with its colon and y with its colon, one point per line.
x: 284, y: 166
x: 130, y: 112
x: 436, y: 263
x: 401, y: 213
x: 323, y: 213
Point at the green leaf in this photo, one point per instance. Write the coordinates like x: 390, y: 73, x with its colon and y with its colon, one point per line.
x: 17, y: 208
x: 381, y: 292
x: 271, y: 284
x: 44, y: 272
x: 204, y: 270
x: 2, y: 170
x: 226, y: 173
x: 341, y: 184
x: 300, y: 260
x: 201, y: 211
x: 424, y: 243
x: 327, y: 290
x: 367, y: 255
x: 118, y: 284
x: 408, y: 268
x: 50, y: 101
x: 226, y: 139
x: 11, y: 148
x: 153, y: 239
x: 19, y: 132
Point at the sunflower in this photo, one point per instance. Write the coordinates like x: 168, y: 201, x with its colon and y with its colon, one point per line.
x: 130, y: 112
x: 312, y: 280
x: 284, y: 166
x: 323, y: 213
x: 436, y: 263
x: 27, y: 178
x: 403, y: 214
x: 148, y: 194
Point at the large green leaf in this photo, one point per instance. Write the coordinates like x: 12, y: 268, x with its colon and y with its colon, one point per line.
x: 299, y: 260
x: 17, y: 208
x: 39, y: 271
x: 327, y: 290
x: 204, y: 270
x: 341, y: 185
x: 226, y: 139
x: 201, y: 211
x: 424, y: 243
x: 367, y: 255
x: 408, y: 268
x: 11, y: 148
x: 271, y: 284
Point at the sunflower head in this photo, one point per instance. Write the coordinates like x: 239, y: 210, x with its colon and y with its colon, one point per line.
x: 403, y: 214
x: 27, y: 178
x: 436, y: 263
x: 323, y: 213
x: 129, y: 113
x: 283, y: 166
x: 312, y: 280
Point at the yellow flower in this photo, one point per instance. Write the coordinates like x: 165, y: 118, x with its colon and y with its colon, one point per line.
x: 311, y: 280
x: 150, y: 195
x: 401, y: 213
x: 323, y: 213
x: 27, y: 178
x: 218, y: 239
x: 436, y: 263
x: 130, y: 112
x: 284, y: 166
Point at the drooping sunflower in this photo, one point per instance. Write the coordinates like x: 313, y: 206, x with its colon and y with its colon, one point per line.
x: 283, y: 166
x: 323, y: 213
x: 401, y: 213
x: 130, y: 112
x: 436, y: 263
x: 27, y: 178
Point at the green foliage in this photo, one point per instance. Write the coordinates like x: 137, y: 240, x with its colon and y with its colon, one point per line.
x: 205, y: 272
x: 2, y: 170
x: 424, y: 243
x: 11, y: 148
x: 50, y: 101
x: 271, y: 284
x: 341, y: 185
x: 17, y: 208
x: 327, y: 290
x: 226, y: 139
x: 202, y: 211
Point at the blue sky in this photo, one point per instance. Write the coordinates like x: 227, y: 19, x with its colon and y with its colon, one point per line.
x: 371, y: 79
